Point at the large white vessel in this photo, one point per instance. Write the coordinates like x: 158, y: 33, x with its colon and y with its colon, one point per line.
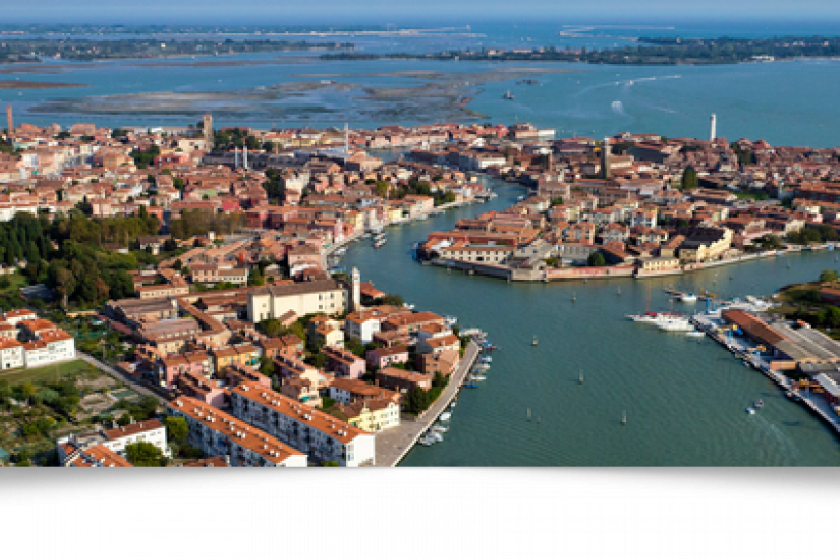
x: 681, y: 324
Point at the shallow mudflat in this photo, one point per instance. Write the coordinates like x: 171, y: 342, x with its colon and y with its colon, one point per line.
x: 17, y: 84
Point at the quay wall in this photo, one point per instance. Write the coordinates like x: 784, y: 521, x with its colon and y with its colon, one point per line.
x: 577, y: 273
x: 642, y: 274
x: 483, y: 269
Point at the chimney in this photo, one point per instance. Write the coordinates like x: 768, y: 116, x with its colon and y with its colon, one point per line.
x: 11, y: 122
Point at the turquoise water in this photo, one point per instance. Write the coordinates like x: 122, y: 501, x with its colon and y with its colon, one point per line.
x: 684, y: 399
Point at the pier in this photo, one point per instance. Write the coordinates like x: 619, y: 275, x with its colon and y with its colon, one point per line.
x: 815, y: 404
x: 394, y: 444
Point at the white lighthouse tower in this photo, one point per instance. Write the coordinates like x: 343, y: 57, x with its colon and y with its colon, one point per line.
x: 713, y: 131
x: 355, y: 287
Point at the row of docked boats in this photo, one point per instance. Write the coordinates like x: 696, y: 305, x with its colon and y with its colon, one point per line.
x: 379, y: 240
x: 435, y: 432
x: 670, y: 321
x: 478, y: 372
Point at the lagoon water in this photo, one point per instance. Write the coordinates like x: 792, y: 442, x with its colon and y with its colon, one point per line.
x: 789, y: 103
x: 685, y: 400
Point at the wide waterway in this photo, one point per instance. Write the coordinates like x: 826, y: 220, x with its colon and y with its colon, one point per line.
x: 684, y: 399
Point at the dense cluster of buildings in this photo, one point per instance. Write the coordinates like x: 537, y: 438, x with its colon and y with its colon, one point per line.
x: 307, y: 393
x: 627, y: 198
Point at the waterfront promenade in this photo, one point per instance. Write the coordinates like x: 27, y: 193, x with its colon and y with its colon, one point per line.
x: 392, y: 445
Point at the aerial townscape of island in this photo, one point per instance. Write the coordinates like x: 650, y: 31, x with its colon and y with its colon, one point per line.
x: 174, y: 295
x: 184, y: 285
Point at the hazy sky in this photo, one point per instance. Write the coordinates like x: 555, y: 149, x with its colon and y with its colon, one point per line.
x: 278, y: 12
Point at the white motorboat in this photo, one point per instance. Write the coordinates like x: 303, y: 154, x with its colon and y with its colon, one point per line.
x: 688, y: 298
x: 477, y: 377
x: 445, y: 416
x: 486, y: 359
x: 437, y: 436
x: 481, y: 367
x: 675, y: 325
x: 750, y: 410
x: 440, y: 428
x: 696, y: 334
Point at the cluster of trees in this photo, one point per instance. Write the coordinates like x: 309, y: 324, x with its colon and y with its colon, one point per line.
x: 84, y: 275
x: 419, y: 400
x: 25, y: 237
x: 274, y: 328
x: 200, y: 222
x: 6, y: 146
x: 647, y: 51
x: 145, y: 454
x: 390, y: 299
x: 769, y: 241
x: 417, y: 188
x: 355, y: 346
x: 66, y: 255
x: 57, y: 398
x: 144, y: 408
x: 107, y: 230
x: 84, y: 49
x: 274, y: 186
x: 819, y: 234
x: 238, y: 138
x: 596, y: 259
x: 143, y: 160
x: 745, y: 157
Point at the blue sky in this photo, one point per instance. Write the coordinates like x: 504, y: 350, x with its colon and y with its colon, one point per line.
x: 279, y: 12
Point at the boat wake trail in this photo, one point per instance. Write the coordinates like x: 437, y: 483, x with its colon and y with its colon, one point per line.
x: 776, y: 439
x: 627, y: 83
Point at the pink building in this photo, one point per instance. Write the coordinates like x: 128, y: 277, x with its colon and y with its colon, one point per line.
x: 344, y: 363
x: 383, y: 357
x: 171, y: 368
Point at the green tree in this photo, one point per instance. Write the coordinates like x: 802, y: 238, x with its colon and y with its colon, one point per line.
x: 144, y: 454
x: 596, y: 259
x: 255, y: 278
x: 266, y: 366
x: 828, y: 276
x: 689, y: 179
x: 177, y: 430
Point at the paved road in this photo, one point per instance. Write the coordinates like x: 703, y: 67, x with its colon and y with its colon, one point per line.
x: 392, y: 445
x: 132, y: 382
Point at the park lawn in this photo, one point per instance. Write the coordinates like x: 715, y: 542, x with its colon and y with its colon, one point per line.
x: 16, y: 283
x: 17, y: 376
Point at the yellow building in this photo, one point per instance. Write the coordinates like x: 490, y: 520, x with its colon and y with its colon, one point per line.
x: 705, y: 244
x: 224, y: 357
x: 372, y: 416
x: 395, y: 213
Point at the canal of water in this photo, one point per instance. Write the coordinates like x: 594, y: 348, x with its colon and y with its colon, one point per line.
x: 685, y: 400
